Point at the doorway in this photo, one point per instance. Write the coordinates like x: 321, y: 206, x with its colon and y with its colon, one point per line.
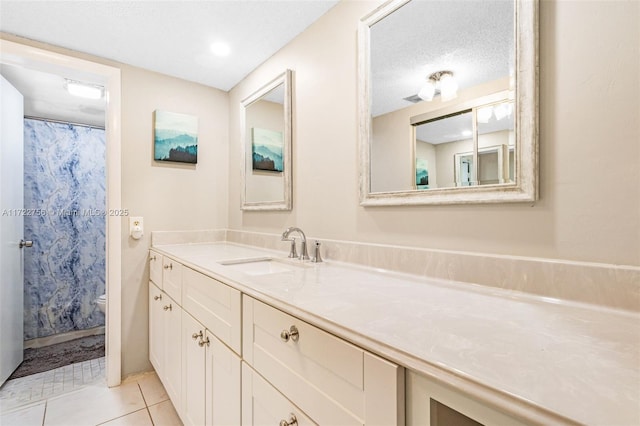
x: 31, y: 58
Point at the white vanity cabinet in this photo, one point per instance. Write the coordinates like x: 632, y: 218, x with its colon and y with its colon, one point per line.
x: 432, y: 404
x: 191, y: 338
x: 329, y: 379
x: 164, y: 332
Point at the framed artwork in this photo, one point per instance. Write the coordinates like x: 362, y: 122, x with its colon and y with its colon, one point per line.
x: 266, y: 150
x: 422, y: 174
x: 175, y: 137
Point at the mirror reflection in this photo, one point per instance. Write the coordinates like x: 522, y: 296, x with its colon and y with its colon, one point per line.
x: 445, y: 148
x: 441, y: 100
x: 266, y: 138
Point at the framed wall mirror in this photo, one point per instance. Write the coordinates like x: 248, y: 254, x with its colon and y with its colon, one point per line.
x: 265, y: 134
x: 448, y: 96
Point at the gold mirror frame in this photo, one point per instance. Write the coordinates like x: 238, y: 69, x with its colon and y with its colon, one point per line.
x: 525, y: 187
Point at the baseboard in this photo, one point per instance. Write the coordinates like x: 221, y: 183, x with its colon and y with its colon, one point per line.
x: 62, y: 337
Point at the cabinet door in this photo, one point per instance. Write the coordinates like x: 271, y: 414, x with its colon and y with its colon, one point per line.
x: 223, y: 385
x: 155, y: 268
x: 193, y: 371
x: 172, y: 279
x: 217, y: 306
x: 431, y: 404
x: 172, y: 377
x: 262, y: 404
x: 156, y: 329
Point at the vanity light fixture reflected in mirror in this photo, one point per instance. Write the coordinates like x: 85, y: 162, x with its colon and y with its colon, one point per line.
x: 475, y: 62
x: 265, y: 135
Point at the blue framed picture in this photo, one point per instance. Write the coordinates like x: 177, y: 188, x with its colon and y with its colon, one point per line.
x: 175, y: 137
x: 266, y: 150
x: 422, y: 174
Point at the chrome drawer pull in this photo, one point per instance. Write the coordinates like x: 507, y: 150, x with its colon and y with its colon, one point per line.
x: 152, y: 258
x: 169, y: 266
x: 292, y: 334
x: 167, y: 307
x: 159, y: 297
x: 292, y: 421
x: 194, y: 336
x: 201, y: 343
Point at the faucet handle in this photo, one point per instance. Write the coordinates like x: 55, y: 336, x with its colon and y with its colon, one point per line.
x: 292, y: 252
x: 316, y: 253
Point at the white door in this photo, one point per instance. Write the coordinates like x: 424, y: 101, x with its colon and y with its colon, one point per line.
x: 11, y: 229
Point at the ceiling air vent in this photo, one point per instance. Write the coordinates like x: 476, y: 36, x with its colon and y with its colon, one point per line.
x: 413, y: 99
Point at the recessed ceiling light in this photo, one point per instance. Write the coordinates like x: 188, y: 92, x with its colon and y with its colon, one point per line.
x: 220, y: 48
x: 83, y: 90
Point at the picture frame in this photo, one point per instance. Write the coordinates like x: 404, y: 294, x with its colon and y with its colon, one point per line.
x: 267, y: 150
x: 175, y: 137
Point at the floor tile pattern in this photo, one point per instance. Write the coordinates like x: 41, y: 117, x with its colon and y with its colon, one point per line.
x: 77, y: 395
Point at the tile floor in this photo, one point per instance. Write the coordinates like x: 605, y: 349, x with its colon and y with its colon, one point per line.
x: 77, y: 395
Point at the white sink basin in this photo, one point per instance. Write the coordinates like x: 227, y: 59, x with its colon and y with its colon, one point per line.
x: 262, y: 266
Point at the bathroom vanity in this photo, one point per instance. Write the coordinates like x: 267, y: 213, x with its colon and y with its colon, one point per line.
x: 244, y: 335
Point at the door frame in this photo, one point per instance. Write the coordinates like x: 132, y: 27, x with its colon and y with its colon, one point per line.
x: 47, y: 61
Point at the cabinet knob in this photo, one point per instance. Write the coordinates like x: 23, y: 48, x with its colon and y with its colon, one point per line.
x: 194, y: 336
x: 169, y: 266
x: 201, y: 343
x: 158, y: 297
x: 152, y: 258
x: 292, y: 334
x: 167, y: 307
x: 292, y: 421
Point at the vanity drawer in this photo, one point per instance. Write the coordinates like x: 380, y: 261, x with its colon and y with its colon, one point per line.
x: 215, y: 305
x: 330, y: 379
x: 172, y: 279
x: 155, y: 268
x: 264, y: 405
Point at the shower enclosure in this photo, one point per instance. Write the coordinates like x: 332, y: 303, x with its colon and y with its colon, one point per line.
x: 64, y: 198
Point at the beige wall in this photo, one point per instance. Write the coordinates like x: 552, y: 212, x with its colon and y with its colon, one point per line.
x: 589, y: 108
x: 168, y: 196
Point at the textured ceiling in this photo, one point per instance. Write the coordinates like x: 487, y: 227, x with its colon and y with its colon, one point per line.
x: 474, y: 39
x: 171, y: 37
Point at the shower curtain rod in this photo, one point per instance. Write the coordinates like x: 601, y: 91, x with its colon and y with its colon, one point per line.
x: 63, y: 122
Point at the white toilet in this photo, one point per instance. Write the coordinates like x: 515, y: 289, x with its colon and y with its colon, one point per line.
x: 102, y: 303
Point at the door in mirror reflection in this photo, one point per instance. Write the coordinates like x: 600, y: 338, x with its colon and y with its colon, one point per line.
x: 466, y: 148
x: 446, y: 144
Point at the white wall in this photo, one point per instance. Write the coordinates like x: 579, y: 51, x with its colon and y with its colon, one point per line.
x: 589, y: 108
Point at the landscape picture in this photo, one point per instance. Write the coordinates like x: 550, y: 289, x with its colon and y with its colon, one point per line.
x: 175, y: 137
x: 266, y: 149
x: 422, y: 174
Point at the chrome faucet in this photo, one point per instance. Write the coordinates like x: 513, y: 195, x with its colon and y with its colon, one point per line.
x: 304, y: 255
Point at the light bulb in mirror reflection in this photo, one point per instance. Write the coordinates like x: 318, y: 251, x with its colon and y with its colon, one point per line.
x: 502, y: 110
x: 448, y: 87
x: 428, y: 91
x: 484, y: 114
